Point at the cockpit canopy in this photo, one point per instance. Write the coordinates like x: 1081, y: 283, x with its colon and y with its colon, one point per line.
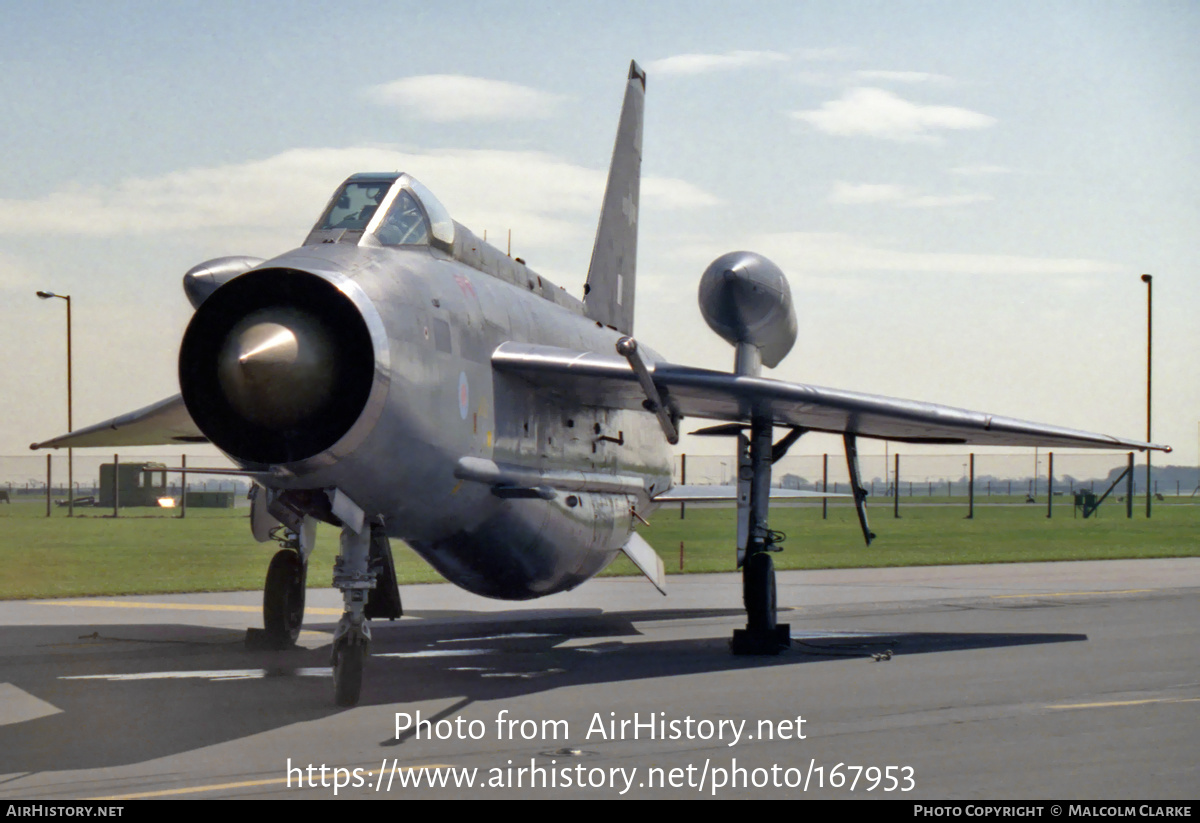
x: 384, y: 209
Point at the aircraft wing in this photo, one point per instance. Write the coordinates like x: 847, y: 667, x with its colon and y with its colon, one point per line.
x: 608, y: 380
x: 166, y: 422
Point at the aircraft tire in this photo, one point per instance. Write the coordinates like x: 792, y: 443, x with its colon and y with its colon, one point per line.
x: 283, y: 599
x: 758, y: 592
x: 348, y: 672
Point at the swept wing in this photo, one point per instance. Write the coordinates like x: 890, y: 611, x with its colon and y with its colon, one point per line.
x: 166, y: 422
x: 604, y: 380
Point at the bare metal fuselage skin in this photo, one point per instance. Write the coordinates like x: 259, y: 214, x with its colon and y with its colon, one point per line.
x: 435, y: 399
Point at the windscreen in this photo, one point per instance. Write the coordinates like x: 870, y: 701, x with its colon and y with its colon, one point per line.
x: 404, y: 224
x: 354, y: 206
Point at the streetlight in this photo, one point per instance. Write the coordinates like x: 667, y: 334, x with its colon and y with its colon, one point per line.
x: 1149, y: 491
x: 46, y: 295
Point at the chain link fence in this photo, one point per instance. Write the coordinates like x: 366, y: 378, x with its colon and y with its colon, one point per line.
x: 918, y: 478
x: 990, y: 477
x: 46, y: 478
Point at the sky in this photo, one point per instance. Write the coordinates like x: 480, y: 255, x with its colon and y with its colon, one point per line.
x: 963, y: 195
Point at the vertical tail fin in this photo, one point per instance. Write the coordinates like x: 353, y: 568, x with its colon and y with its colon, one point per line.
x: 609, y: 294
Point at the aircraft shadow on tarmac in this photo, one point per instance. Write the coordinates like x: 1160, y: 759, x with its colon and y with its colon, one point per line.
x: 134, y: 692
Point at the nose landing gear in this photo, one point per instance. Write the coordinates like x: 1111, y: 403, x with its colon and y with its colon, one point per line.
x: 366, y: 577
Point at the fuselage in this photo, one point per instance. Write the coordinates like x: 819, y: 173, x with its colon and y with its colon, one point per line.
x: 434, y: 399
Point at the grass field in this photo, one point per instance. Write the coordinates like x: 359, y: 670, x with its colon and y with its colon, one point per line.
x: 142, y: 552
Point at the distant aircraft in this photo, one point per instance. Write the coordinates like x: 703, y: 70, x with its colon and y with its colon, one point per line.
x: 398, y: 377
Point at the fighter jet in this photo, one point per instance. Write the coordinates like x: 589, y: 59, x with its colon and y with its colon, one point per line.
x: 398, y: 377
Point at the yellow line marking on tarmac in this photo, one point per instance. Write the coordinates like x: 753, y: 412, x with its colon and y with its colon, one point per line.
x: 216, y: 787
x: 1071, y: 594
x: 196, y: 607
x: 1127, y: 703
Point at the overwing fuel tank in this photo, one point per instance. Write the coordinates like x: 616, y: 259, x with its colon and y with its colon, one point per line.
x: 745, y: 298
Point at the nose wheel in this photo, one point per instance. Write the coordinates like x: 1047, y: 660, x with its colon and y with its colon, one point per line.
x: 353, y: 576
x: 348, y: 654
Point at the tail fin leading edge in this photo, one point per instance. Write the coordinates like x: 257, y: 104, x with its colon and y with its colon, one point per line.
x: 609, y: 294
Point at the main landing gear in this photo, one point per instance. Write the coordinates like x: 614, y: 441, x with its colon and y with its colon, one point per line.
x: 762, y: 635
x: 283, y: 594
x: 283, y: 598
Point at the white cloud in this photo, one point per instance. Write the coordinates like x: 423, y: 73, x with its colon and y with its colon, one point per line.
x: 878, y: 113
x: 855, y: 193
x: 14, y: 274
x: 445, y: 98
x: 828, y: 54
x: 832, y: 260
x: 865, y: 193
x: 549, y: 200
x: 824, y: 253
x: 689, y: 64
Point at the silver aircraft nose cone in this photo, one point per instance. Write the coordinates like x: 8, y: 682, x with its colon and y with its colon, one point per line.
x: 276, y: 367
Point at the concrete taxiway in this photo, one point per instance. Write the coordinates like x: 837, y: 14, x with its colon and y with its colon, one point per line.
x: 1061, y: 680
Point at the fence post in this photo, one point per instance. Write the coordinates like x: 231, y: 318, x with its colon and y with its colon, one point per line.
x: 824, y: 486
x: 682, y: 482
x: 47, y: 484
x: 1129, y: 490
x: 1050, y: 486
x: 183, y: 487
x: 971, y: 490
x: 116, y: 484
x: 896, y: 488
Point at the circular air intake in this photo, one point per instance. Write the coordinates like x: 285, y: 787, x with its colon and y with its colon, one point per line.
x: 276, y: 366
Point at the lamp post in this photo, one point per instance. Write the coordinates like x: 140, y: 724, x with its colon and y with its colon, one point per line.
x: 1149, y: 316
x: 46, y: 295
